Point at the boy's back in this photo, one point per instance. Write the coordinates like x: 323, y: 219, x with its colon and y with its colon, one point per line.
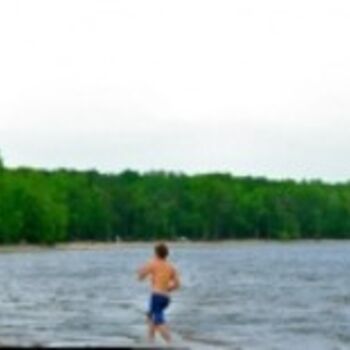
x: 162, y: 275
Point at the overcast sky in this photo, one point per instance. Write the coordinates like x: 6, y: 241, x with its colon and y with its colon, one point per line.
x: 249, y: 87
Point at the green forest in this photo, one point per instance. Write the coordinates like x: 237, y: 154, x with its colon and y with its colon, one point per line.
x: 46, y: 207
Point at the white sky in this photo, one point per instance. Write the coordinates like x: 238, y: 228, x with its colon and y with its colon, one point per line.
x: 251, y: 87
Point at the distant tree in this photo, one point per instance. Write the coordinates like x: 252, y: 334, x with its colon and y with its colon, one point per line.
x: 2, y: 166
x: 41, y: 206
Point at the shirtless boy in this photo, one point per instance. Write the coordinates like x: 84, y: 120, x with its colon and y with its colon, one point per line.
x: 164, y: 280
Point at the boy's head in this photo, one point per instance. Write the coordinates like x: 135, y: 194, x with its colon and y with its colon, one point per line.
x: 161, y: 251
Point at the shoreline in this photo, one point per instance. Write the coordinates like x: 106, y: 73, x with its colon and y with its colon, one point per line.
x: 90, y: 245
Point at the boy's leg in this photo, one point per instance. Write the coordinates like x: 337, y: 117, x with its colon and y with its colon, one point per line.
x: 151, y: 329
x: 150, y: 318
x: 160, y: 325
x: 164, y: 331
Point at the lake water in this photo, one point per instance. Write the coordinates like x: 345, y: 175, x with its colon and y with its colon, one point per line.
x: 250, y: 296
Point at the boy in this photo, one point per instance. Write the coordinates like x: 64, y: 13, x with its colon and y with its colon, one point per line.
x: 164, y: 280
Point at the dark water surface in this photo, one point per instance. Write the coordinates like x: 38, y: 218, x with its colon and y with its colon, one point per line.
x: 234, y: 296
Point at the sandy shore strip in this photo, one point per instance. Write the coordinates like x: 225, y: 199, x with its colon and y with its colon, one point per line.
x: 91, y: 245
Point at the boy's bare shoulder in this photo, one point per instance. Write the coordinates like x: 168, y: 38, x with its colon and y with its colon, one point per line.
x: 172, y: 268
x: 160, y: 264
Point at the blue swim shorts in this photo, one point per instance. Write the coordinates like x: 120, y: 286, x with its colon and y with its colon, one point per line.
x: 158, y: 303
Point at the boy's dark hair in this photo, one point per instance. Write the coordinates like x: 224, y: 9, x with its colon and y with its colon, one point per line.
x: 161, y: 250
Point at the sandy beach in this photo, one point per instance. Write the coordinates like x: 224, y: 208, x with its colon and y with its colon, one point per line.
x: 91, y: 245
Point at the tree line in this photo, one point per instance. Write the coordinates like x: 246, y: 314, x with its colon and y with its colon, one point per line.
x: 45, y: 207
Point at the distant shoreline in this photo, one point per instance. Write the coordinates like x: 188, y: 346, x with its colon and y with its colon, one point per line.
x: 87, y: 245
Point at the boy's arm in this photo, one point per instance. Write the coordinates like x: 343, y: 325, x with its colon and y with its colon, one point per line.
x: 144, y: 271
x: 175, y: 281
